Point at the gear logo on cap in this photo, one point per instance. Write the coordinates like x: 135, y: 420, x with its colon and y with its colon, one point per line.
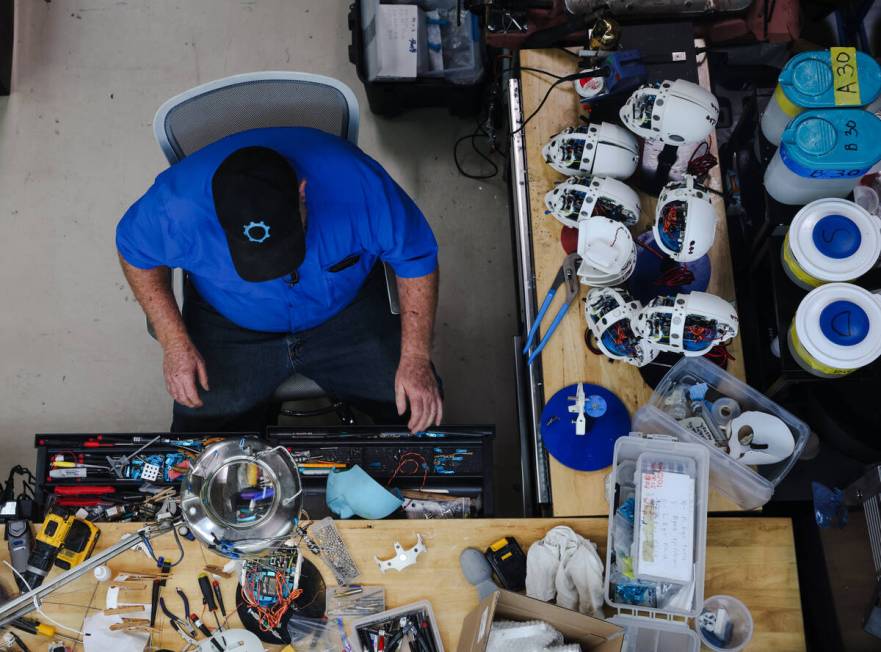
x: 263, y: 233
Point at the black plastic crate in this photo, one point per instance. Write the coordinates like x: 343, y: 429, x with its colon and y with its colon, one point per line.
x: 390, y: 98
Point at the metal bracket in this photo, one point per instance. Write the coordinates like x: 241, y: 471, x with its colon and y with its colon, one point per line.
x: 403, y: 558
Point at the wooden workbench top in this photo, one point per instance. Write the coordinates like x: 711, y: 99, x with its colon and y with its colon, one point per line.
x: 751, y: 558
x: 566, y: 360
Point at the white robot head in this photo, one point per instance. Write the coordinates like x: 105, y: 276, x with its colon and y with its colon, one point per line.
x: 611, y: 316
x: 582, y: 197
x: 674, y: 112
x: 690, y: 324
x: 605, y: 149
x: 685, y: 222
x: 607, y: 250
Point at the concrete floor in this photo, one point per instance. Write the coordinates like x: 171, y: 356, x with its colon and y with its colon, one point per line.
x: 76, y: 149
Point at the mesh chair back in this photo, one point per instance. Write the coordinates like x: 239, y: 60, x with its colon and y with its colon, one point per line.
x: 212, y: 111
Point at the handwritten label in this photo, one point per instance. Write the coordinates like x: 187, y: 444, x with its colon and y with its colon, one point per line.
x: 666, y: 527
x: 845, y: 79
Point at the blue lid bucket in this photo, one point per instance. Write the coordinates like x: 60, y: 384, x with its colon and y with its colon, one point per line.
x: 823, y: 153
x: 830, y: 240
x: 836, y: 330
x: 822, y: 79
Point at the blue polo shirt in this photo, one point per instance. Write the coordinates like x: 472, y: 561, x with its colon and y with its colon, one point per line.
x: 354, y: 211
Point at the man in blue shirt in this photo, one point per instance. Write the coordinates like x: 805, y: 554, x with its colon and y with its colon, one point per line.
x: 280, y: 232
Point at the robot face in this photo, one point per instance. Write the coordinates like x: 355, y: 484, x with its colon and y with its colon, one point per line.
x: 685, y: 222
x: 581, y: 198
x: 604, y: 149
x: 674, y: 112
x: 611, y: 315
x: 691, y: 324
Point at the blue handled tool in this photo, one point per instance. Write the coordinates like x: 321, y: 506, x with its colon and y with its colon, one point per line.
x: 568, y: 275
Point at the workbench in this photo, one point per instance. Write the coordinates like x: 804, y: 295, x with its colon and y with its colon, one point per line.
x: 751, y: 558
x: 566, y: 359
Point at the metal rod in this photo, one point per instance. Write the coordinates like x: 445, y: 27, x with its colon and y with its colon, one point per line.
x: 24, y: 604
x: 523, y: 237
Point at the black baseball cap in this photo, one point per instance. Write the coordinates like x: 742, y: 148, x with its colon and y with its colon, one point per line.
x: 256, y: 197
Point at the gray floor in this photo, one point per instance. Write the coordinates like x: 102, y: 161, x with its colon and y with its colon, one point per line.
x: 76, y: 148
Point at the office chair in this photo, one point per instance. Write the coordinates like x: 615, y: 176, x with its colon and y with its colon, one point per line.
x: 209, y: 112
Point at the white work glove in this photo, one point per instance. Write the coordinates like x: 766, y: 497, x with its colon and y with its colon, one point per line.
x: 565, y: 565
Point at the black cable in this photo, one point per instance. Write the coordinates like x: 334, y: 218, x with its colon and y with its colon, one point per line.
x: 601, y: 72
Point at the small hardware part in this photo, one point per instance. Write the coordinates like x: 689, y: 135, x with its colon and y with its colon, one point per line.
x: 403, y: 558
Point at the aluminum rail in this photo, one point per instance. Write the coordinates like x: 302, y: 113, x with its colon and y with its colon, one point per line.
x: 526, y: 281
x: 24, y: 604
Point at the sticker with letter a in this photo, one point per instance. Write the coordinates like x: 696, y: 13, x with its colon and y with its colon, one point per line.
x: 845, y: 79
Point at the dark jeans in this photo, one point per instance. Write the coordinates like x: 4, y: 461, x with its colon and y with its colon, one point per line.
x: 353, y: 356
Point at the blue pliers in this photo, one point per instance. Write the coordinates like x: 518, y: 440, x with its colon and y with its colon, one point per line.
x: 568, y: 275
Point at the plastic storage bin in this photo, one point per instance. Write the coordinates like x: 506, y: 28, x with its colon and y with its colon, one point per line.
x: 647, y: 628
x: 423, y: 606
x: 823, y: 153
x: 749, y: 487
x: 460, y: 90
x: 807, y: 81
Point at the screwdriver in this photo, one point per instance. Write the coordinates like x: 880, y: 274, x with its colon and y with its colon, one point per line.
x: 37, y: 628
x: 217, y: 594
x: 208, y: 597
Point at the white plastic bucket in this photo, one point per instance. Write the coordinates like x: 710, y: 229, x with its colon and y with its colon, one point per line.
x: 830, y: 240
x: 836, y: 330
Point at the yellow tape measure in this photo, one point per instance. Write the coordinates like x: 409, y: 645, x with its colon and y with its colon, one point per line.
x: 845, y: 78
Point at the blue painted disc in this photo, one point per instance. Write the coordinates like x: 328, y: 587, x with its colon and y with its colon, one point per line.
x: 844, y: 323
x: 837, y: 236
x: 593, y: 450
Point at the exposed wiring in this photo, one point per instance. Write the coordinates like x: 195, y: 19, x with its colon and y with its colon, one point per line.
x: 411, y: 458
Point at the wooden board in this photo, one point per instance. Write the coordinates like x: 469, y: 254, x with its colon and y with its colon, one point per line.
x: 566, y: 360
x: 750, y: 558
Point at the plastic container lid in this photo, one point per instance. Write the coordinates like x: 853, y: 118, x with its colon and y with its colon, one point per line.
x: 808, y: 81
x: 832, y: 143
x: 839, y: 325
x: 661, y: 635
x: 835, y: 240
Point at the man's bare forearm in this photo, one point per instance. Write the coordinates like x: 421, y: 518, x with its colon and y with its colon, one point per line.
x: 152, y: 289
x: 418, y: 298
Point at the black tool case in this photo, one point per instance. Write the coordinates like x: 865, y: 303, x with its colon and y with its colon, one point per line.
x: 458, y: 459
x: 390, y: 98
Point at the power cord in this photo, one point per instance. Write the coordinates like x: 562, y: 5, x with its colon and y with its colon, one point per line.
x: 484, y: 130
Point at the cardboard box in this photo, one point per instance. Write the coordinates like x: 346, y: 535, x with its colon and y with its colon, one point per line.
x: 593, y: 634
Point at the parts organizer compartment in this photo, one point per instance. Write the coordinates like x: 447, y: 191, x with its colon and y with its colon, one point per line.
x: 659, y: 623
x: 103, y: 486
x: 453, y: 460
x: 749, y: 487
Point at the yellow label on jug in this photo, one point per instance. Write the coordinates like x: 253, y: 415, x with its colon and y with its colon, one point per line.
x: 845, y: 79
x: 786, y: 105
x: 802, y: 353
x: 795, y: 268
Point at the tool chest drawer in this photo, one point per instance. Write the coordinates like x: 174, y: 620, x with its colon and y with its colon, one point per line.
x: 111, y: 474
x: 453, y: 460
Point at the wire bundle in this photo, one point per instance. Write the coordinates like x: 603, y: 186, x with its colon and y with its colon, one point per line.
x: 269, y: 587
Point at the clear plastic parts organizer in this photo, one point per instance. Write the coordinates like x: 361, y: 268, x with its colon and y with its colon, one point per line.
x: 748, y: 486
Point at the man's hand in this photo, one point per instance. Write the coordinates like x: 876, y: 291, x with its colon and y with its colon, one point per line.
x: 182, y: 365
x: 415, y: 383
